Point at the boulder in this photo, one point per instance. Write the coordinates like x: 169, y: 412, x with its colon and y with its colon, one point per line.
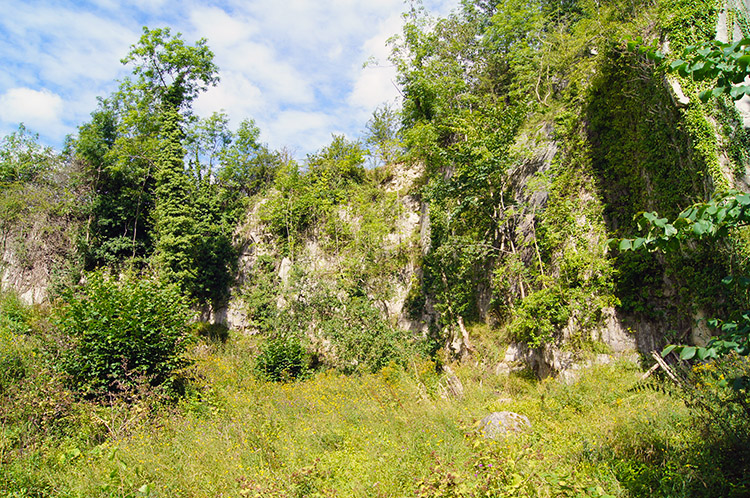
x: 497, y: 425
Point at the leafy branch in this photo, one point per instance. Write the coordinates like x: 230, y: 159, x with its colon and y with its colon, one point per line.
x: 712, y: 220
x: 725, y: 63
x: 705, y: 220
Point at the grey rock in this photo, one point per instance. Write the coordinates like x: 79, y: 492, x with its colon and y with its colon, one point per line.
x: 497, y: 425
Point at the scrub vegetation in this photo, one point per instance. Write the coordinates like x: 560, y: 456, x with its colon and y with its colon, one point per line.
x: 553, y: 167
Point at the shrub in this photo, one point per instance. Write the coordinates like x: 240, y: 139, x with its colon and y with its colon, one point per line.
x: 14, y: 348
x: 282, y: 358
x: 362, y: 340
x: 14, y: 314
x: 125, y: 331
x: 540, y: 316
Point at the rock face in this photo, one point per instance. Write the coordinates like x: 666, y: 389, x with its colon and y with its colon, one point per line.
x: 497, y: 425
x: 452, y: 386
x: 30, y: 281
x: 318, y: 263
x: 34, y: 253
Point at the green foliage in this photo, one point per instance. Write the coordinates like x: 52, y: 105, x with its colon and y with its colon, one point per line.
x: 361, y: 340
x: 289, y: 210
x: 712, y: 220
x: 307, y: 200
x: 471, y: 81
x: 15, y: 318
x: 175, y: 72
x: 168, y: 186
x: 383, y: 135
x: 718, y: 220
x: 23, y: 160
x: 14, y: 313
x: 124, y: 331
x: 174, y: 211
x: 540, y: 315
x: 247, y: 165
x: 130, y: 134
x: 116, y: 158
x: 726, y: 63
x: 283, y: 359
x: 335, y: 165
x: 259, y: 295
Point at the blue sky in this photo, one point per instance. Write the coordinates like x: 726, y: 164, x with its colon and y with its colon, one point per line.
x: 295, y: 66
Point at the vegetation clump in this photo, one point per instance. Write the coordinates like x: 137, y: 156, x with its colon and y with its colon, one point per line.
x: 123, y: 331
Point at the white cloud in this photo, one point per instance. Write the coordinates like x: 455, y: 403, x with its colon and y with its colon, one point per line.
x: 41, y: 110
x: 220, y: 28
x: 294, y: 66
x: 240, y: 49
x: 308, y: 130
x: 375, y: 83
x: 236, y: 95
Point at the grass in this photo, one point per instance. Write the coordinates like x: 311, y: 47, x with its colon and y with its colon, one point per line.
x: 383, y: 434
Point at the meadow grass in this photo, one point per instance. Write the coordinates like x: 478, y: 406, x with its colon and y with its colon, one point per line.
x: 383, y: 434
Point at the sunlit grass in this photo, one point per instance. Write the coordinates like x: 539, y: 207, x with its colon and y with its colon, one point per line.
x: 384, y: 434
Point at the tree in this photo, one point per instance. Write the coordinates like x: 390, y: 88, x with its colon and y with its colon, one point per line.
x: 384, y: 135
x: 23, y: 159
x: 174, y: 72
x: 247, y: 165
x: 168, y: 186
x: 206, y: 142
x: 118, y: 164
x: 340, y: 162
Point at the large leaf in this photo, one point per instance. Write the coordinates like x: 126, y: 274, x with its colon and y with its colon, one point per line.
x: 687, y: 352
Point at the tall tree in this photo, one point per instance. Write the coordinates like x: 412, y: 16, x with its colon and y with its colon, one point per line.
x: 174, y: 74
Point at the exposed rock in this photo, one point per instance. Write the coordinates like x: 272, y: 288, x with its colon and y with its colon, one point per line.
x: 425, y: 233
x: 403, y: 176
x: 614, y: 334
x: 675, y: 91
x: 502, y: 368
x: 550, y: 361
x: 460, y: 344
x: 700, y: 333
x: 497, y: 425
x: 285, y: 270
x: 452, y: 386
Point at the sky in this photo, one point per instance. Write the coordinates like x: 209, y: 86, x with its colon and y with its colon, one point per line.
x: 294, y: 66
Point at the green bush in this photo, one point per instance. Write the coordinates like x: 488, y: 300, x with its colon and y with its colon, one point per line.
x: 14, y: 327
x: 540, y: 316
x: 362, y: 340
x: 282, y: 358
x: 14, y: 314
x: 125, y: 331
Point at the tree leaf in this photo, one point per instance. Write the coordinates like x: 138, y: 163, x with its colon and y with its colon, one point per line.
x: 668, y: 350
x: 687, y: 352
